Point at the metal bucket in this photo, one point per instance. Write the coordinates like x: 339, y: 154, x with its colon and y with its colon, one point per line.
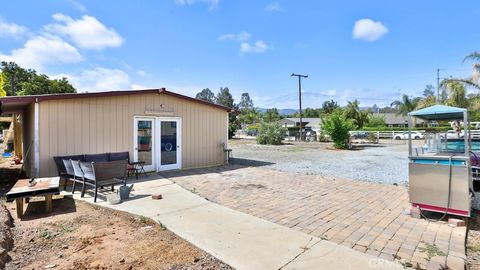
x: 124, y: 192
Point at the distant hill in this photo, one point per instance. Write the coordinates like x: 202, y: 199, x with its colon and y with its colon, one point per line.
x: 280, y: 111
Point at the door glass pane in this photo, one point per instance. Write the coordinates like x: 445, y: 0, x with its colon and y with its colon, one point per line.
x: 144, y: 141
x: 168, y: 139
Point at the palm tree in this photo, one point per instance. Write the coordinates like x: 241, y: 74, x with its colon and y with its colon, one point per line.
x: 457, y: 94
x: 474, y: 78
x: 426, y: 102
x: 405, y: 105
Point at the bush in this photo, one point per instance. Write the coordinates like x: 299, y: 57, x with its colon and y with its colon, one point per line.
x: 323, y: 137
x: 271, y: 133
x: 338, y: 127
x: 375, y: 121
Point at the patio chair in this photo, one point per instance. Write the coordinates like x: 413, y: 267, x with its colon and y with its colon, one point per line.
x: 62, y: 172
x: 77, y: 174
x: 71, y: 174
x: 99, y: 174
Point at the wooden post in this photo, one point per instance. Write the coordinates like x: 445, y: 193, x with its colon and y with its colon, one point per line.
x: 48, y: 203
x: 19, y: 203
x: 17, y: 137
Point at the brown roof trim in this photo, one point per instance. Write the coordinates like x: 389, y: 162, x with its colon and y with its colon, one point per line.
x: 39, y: 98
x: 173, y: 94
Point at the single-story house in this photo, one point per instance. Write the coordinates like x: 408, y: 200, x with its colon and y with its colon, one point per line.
x: 164, y: 129
x: 307, y: 123
x: 396, y: 120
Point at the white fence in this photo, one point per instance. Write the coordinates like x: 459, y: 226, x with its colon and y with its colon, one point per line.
x: 391, y: 134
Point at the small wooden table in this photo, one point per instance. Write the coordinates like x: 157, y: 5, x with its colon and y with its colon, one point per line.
x: 22, y: 189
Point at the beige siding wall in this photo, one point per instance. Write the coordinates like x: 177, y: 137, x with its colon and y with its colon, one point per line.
x: 28, y: 131
x: 105, y: 124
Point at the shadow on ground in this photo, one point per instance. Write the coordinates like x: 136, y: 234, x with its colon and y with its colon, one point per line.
x: 35, y: 209
x: 235, y: 164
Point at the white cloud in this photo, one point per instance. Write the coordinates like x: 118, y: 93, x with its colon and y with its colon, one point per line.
x: 331, y: 93
x: 87, y: 32
x: 78, y: 6
x: 42, y: 50
x: 143, y: 73
x: 100, y: 79
x: 257, y: 47
x: 242, y: 36
x: 369, y: 30
x: 273, y: 7
x: 11, y: 29
x: 212, y: 4
x: 139, y: 87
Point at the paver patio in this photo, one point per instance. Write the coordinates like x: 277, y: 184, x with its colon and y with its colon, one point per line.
x: 367, y: 217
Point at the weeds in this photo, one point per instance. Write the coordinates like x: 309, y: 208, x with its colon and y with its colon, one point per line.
x: 46, y: 234
x: 431, y: 250
x: 475, y: 248
x: 162, y: 227
x: 144, y: 220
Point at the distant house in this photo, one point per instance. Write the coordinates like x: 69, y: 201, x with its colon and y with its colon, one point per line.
x: 307, y: 123
x: 394, y: 120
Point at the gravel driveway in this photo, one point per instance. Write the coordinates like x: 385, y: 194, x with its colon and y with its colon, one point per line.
x: 383, y: 163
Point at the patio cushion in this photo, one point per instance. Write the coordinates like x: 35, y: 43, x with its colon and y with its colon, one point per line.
x: 59, y: 162
x: 67, y: 163
x: 96, y: 157
x: 118, y: 156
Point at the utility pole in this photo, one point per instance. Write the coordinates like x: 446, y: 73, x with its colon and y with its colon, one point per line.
x: 438, y: 86
x: 300, y: 76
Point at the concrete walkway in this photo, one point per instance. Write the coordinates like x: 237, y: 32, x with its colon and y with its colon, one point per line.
x: 240, y: 240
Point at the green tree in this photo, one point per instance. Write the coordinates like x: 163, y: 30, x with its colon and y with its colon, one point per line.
x: 457, y: 94
x: 226, y: 99
x: 207, y: 95
x: 473, y: 80
x: 246, y: 103
x: 20, y: 81
x: 426, y: 102
x: 271, y: 115
x: 312, y: 113
x: 2, y: 91
x: 429, y: 91
x: 359, y: 117
x: 375, y: 121
x: 61, y: 86
x: 329, y: 106
x: 338, y: 127
x: 271, y: 133
x: 405, y: 105
x: 249, y: 116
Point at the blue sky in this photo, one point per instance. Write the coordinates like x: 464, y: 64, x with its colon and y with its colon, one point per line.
x: 369, y: 50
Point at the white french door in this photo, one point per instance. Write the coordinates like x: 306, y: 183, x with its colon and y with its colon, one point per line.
x: 157, y: 142
x: 144, y: 143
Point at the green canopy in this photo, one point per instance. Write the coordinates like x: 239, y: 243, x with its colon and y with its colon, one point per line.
x: 439, y: 112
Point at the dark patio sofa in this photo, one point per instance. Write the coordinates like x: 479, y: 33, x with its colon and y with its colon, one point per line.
x: 103, y: 157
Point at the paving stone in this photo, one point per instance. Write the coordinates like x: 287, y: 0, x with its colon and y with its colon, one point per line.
x: 352, y: 213
x: 455, y: 263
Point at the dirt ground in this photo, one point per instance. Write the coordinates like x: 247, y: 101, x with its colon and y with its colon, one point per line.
x: 386, y: 162
x: 473, y: 242
x: 77, y: 235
